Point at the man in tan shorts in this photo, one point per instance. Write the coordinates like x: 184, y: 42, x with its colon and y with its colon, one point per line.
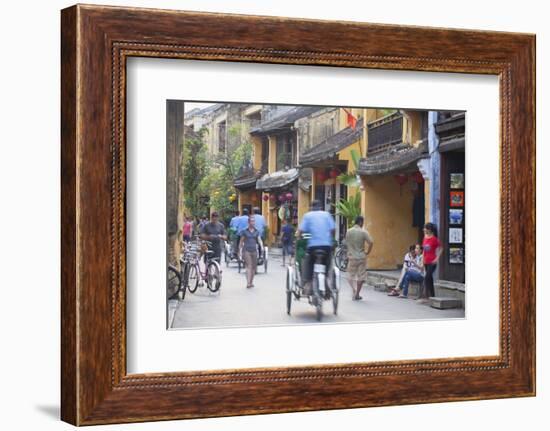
x: 356, y: 238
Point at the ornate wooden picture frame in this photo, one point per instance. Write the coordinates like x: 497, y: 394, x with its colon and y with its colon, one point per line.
x: 96, y: 42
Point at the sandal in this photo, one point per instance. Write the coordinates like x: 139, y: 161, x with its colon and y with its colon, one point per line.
x: 393, y: 293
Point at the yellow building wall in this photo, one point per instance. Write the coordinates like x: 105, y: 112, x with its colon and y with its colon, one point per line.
x: 272, y: 163
x: 257, y: 145
x: 304, y: 198
x: 388, y: 218
x: 248, y: 197
x: 271, y: 220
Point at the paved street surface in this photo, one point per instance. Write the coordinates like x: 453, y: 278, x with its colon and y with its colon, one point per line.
x: 265, y: 304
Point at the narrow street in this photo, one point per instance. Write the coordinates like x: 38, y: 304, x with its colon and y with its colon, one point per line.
x: 265, y: 304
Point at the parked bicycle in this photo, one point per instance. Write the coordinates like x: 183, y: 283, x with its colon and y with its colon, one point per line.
x: 174, y: 283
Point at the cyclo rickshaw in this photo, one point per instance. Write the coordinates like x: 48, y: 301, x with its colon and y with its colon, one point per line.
x: 231, y: 249
x: 325, y: 279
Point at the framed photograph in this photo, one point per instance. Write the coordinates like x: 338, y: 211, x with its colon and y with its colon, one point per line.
x: 456, y: 255
x: 232, y: 246
x: 455, y: 235
x: 168, y: 131
x: 457, y: 199
x: 457, y: 181
x: 456, y: 216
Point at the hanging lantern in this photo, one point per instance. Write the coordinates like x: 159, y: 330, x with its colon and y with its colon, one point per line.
x: 333, y: 173
x: 288, y: 196
x: 281, y: 198
x: 272, y: 198
x: 400, y: 178
x: 265, y: 197
x: 417, y: 177
x: 321, y: 176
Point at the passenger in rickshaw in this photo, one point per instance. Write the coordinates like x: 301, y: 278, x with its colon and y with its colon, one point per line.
x: 320, y: 226
x: 233, y: 234
x: 260, y: 224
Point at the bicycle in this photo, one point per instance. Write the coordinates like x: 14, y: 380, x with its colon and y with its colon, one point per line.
x: 204, y: 268
x: 174, y: 283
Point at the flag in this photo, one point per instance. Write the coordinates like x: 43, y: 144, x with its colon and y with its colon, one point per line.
x: 351, y: 120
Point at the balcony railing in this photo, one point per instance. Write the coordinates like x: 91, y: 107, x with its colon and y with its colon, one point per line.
x: 385, y: 132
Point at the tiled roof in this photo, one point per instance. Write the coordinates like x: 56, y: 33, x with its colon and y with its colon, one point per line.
x: 285, y: 120
x: 396, y: 159
x: 277, y: 179
x: 329, y: 147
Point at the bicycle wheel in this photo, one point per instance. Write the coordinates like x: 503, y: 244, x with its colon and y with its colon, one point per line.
x: 213, y: 277
x: 334, y: 293
x: 193, y: 278
x: 173, y: 282
x: 265, y: 259
x: 288, y: 292
x: 317, y: 299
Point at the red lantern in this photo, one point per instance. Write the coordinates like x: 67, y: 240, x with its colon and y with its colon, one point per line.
x: 265, y: 198
x: 288, y: 196
x: 334, y: 173
x: 321, y: 176
x: 417, y: 177
x: 272, y: 198
x: 400, y: 178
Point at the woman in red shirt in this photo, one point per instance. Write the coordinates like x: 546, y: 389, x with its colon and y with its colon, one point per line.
x: 432, y: 251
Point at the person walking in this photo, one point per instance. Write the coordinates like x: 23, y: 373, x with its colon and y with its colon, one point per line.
x: 356, y: 238
x: 250, y: 240
x: 321, y: 227
x: 187, y: 229
x: 432, y: 251
x: 287, y: 241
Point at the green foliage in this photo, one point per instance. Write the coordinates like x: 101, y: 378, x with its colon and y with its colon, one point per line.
x: 387, y: 111
x: 349, y: 208
x: 217, y: 184
x: 195, y: 168
x: 351, y: 179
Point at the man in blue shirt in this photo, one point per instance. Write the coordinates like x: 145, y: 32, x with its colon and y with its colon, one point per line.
x: 233, y: 234
x: 260, y: 221
x: 320, y: 226
x: 241, y: 223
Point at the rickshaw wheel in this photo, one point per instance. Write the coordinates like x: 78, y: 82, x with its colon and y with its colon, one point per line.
x: 288, y: 292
